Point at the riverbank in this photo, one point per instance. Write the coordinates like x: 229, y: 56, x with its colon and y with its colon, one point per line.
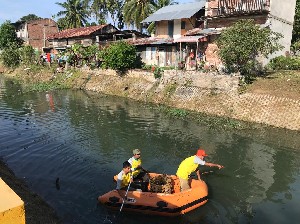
x: 272, y: 100
x: 37, y: 211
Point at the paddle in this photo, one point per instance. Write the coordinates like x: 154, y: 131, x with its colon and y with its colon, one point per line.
x: 125, y: 196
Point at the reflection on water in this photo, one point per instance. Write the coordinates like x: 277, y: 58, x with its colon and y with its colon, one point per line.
x: 68, y: 145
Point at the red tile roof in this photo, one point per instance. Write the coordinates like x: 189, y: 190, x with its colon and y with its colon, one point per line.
x: 76, y: 32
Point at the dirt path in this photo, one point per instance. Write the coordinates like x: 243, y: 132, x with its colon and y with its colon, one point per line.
x: 36, y: 210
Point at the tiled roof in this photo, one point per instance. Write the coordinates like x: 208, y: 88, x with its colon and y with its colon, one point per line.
x: 76, y: 32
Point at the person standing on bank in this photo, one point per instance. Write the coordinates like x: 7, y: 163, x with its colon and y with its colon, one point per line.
x: 124, y: 178
x: 190, y: 165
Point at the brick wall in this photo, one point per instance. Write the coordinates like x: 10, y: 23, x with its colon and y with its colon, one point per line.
x: 38, y: 30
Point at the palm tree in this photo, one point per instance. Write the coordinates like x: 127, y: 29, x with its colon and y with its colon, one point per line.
x: 135, y: 11
x: 158, y: 5
x: 98, y: 8
x: 102, y: 9
x: 75, y: 13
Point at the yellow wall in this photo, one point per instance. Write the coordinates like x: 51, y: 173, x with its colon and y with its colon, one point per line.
x: 162, y: 27
x: 11, y: 206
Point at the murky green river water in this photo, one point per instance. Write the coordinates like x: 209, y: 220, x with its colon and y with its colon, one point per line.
x: 83, y: 138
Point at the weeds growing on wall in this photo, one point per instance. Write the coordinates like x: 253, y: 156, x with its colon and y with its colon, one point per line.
x: 44, y: 86
x: 170, y: 89
x: 203, y: 119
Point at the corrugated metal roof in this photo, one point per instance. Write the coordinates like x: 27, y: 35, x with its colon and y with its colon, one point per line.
x: 179, y: 11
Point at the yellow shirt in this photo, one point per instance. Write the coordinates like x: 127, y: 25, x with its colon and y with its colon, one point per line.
x: 123, y: 180
x: 188, y: 166
x: 134, y: 164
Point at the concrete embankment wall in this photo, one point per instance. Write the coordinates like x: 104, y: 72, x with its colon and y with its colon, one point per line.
x: 11, y: 206
x: 202, y: 92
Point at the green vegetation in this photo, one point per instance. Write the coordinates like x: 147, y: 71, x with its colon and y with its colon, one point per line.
x: 27, y: 55
x: 10, y: 57
x: 8, y: 36
x: 44, y: 86
x: 136, y: 11
x: 178, y: 112
x: 296, y: 27
x: 170, y: 89
x: 204, y: 119
x: 75, y: 13
x: 157, y: 71
x: 62, y: 81
x: 284, y: 63
x: 241, y: 44
x: 119, y: 56
x: 29, y: 17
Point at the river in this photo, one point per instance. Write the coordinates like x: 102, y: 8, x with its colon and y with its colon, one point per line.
x: 67, y: 145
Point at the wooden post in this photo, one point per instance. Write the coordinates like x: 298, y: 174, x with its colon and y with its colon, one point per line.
x: 180, y: 52
x: 196, y: 54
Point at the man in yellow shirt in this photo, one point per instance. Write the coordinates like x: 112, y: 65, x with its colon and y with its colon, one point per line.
x: 123, y: 179
x: 139, y: 174
x: 190, y: 165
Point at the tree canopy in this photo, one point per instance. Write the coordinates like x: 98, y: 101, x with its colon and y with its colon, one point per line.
x: 135, y: 11
x: 75, y: 13
x: 296, y: 28
x: 241, y: 44
x: 28, y: 18
x: 8, y: 36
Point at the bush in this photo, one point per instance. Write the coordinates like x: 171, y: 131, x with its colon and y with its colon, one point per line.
x: 27, y: 55
x: 241, y: 44
x: 10, y: 57
x: 157, y: 72
x: 284, y: 63
x: 119, y: 56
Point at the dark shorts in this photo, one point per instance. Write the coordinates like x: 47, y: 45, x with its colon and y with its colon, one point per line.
x: 141, y: 181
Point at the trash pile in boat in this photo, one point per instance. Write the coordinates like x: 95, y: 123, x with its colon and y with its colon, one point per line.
x: 161, y: 184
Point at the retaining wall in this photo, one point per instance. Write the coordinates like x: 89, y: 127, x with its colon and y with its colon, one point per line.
x: 202, y: 92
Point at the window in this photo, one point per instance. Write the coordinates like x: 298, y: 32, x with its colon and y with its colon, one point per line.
x: 170, y: 28
x: 182, y: 25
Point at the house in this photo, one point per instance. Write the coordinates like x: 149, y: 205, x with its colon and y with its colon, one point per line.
x: 166, y: 47
x: 101, y: 34
x: 193, y: 27
x: 268, y: 13
x: 34, y: 32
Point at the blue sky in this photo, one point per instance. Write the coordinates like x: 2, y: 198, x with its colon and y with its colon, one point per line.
x: 15, y: 9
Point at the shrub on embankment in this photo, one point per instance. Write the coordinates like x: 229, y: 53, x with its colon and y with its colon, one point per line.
x: 285, y: 63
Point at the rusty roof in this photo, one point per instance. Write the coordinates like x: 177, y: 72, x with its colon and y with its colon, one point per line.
x: 151, y: 41
x: 197, y: 31
x: 76, y: 32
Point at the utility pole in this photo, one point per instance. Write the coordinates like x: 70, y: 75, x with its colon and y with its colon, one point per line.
x: 44, y: 32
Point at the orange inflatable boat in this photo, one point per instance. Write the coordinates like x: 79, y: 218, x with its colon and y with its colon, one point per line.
x: 164, y: 204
